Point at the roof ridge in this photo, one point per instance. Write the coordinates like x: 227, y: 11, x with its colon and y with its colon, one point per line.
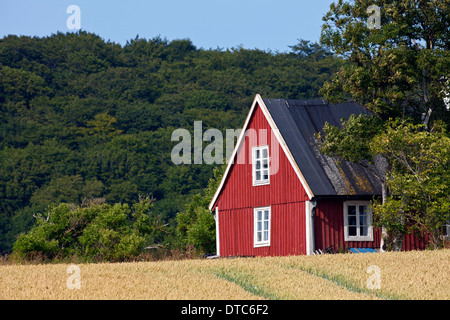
x: 299, y: 102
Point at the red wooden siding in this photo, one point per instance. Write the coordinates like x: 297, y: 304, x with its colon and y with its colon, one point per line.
x: 239, y: 197
x: 287, y: 231
x: 329, y: 230
x: 238, y: 191
x: 413, y: 242
x: 329, y: 227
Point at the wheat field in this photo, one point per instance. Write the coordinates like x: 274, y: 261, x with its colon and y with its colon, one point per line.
x: 396, y: 275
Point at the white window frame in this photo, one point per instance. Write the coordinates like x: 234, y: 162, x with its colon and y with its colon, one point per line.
x: 358, y: 237
x: 264, y: 227
x: 261, y: 169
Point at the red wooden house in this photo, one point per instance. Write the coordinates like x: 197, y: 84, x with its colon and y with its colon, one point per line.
x: 280, y: 196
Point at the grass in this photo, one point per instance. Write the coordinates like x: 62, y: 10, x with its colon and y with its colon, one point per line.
x: 351, y: 286
x: 404, y: 275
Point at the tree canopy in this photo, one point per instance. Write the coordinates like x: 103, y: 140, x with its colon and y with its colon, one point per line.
x: 399, y: 70
x: 82, y: 118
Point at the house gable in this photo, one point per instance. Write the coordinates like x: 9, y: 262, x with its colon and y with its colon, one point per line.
x: 260, y: 119
x: 238, y: 199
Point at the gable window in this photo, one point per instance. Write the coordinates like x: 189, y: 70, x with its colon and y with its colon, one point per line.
x: 261, y: 227
x: 260, y: 165
x: 357, y: 221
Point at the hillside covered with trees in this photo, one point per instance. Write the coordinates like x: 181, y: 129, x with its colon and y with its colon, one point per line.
x: 82, y: 118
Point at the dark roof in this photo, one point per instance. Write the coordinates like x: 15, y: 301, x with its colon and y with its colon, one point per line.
x: 298, y: 121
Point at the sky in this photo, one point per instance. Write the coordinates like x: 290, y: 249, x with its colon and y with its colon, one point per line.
x: 271, y: 25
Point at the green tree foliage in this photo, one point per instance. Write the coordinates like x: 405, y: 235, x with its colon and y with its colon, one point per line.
x: 399, y: 70
x: 413, y: 164
x: 350, y: 140
x: 196, y: 224
x: 81, y: 117
x: 418, y: 180
x: 94, y: 231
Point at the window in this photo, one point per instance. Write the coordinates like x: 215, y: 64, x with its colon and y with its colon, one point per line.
x: 261, y: 165
x: 357, y: 221
x: 262, y: 227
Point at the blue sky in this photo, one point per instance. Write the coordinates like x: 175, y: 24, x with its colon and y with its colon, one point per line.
x: 263, y: 24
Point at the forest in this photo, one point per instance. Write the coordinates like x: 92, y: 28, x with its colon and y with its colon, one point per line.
x: 84, y: 120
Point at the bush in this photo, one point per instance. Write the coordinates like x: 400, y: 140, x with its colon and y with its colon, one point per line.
x: 95, y: 232
x: 196, y: 225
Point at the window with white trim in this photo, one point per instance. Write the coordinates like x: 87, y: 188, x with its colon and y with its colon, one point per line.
x: 358, y: 221
x: 262, y: 227
x: 260, y: 165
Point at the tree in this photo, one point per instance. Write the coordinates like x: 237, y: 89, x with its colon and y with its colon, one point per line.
x: 81, y: 117
x: 398, y: 70
x: 196, y: 225
x: 411, y: 163
x: 95, y: 231
x: 102, y: 125
x: 418, y: 180
x: 19, y: 85
x: 305, y: 48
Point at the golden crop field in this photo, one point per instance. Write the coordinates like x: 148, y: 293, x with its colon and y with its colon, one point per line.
x: 393, y: 275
